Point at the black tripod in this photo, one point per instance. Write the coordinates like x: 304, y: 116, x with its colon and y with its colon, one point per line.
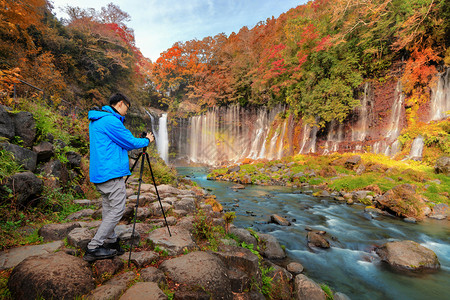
x: 144, y: 157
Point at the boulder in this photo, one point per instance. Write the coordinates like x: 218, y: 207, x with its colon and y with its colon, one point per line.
x: 7, y: 129
x: 156, y: 208
x: 80, y: 237
x: 55, y: 168
x: 243, y: 235
x: 12, y: 257
x: 233, y: 169
x: 279, y: 220
x: 104, y: 268
x: 167, y: 189
x: 181, y: 239
x: 80, y: 214
x: 144, y: 290
x: 408, y: 256
x: 441, y: 211
x: 271, y: 248
x: 142, y: 258
x: 74, y: 159
x: 352, y: 161
x: 53, y: 232
x: 23, y: 156
x: 281, y: 278
x: 44, y: 151
x: 295, y: 268
x: 51, y: 276
x: 307, y: 289
x: 317, y: 240
x: 25, y: 186
x: 200, y: 269
x: 25, y: 127
x: 242, y: 265
x: 107, y: 291
x: 442, y: 165
x: 125, y: 234
x: 403, y: 201
x: 152, y: 274
x: 186, y: 204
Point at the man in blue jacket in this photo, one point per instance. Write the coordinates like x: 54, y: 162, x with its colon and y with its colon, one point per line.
x: 109, y: 143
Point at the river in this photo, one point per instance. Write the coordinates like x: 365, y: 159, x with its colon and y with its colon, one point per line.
x: 350, y: 265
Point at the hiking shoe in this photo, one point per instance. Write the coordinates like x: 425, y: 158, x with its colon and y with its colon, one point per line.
x: 115, y: 246
x: 98, y: 253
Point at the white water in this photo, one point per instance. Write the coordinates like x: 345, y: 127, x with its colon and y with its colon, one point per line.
x: 396, y: 114
x: 334, y: 138
x: 309, y: 136
x: 440, y: 97
x: 162, y: 142
x: 161, y: 135
x: 416, y: 148
x: 360, y: 129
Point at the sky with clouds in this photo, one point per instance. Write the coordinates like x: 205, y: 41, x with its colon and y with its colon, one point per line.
x: 158, y: 24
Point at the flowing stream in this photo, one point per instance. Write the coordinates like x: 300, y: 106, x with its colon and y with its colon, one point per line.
x: 350, y: 265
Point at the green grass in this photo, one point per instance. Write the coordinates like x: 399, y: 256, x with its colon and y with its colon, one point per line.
x: 8, y: 166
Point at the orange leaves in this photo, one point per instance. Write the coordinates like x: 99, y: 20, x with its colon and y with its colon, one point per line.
x: 419, y: 69
x: 7, y: 80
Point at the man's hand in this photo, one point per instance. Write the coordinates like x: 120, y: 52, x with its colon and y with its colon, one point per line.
x: 150, y: 137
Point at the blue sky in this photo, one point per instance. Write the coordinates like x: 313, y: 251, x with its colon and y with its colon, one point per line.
x: 158, y: 24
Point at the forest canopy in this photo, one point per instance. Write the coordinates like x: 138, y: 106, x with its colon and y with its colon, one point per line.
x: 312, y: 58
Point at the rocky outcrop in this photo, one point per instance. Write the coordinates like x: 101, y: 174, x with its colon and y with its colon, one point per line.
x: 51, y: 276
x: 24, y: 157
x: 307, y: 289
x: 175, y: 244
x: 408, y: 256
x: 7, y: 129
x: 279, y: 220
x: 202, y: 270
x: 442, y: 165
x: 26, y: 187
x: 44, y: 151
x: 25, y: 127
x: 53, y: 232
x: 317, y: 240
x: 403, y: 201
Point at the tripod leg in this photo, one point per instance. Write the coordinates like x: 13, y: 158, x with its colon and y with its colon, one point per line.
x: 141, y: 172
x: 156, y: 189
x: 134, y: 165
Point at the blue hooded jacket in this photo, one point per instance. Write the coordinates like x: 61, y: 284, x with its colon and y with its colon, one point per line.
x: 109, y: 143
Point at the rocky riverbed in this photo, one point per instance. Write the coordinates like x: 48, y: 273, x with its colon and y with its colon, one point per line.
x: 183, y: 265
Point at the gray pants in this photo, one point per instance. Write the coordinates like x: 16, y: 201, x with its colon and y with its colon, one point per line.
x: 113, y: 206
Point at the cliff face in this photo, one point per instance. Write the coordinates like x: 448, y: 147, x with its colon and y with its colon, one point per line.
x: 231, y: 134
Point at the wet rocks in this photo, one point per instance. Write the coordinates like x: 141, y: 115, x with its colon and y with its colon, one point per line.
x: 317, y: 240
x: 279, y: 220
x: 408, y: 256
x: 271, y: 248
x: 307, y: 289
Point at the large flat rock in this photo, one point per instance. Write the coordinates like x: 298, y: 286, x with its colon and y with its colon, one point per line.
x: 12, y: 257
x: 175, y: 244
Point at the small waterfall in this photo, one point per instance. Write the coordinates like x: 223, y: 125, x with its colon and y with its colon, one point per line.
x: 440, y: 97
x: 309, y: 136
x: 161, y: 135
x: 416, y: 148
x: 334, y: 138
x: 396, y: 114
x: 280, y: 142
x: 359, y: 130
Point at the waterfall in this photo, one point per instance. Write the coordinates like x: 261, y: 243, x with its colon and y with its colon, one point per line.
x: 161, y: 135
x: 163, y: 139
x: 440, y: 97
x: 359, y: 130
x: 396, y: 114
x: 416, y: 148
x: 309, y: 136
x: 334, y: 138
